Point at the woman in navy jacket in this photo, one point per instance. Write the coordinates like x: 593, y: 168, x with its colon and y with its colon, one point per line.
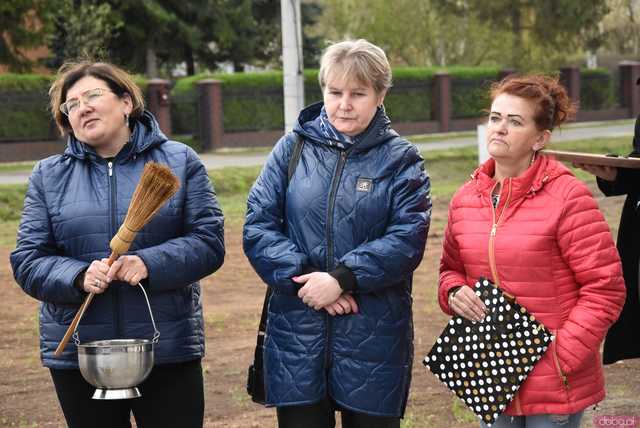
x: 74, y: 205
x: 338, y: 244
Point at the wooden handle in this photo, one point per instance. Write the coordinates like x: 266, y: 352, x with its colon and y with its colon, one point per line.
x: 76, y: 320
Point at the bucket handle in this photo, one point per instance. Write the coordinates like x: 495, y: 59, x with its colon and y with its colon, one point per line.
x: 156, y: 333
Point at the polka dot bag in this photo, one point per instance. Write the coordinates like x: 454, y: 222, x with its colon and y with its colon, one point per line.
x: 484, y: 363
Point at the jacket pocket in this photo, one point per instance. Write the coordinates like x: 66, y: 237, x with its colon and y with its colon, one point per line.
x: 556, y: 362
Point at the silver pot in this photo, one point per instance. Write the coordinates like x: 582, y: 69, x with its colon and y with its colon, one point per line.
x: 117, y: 366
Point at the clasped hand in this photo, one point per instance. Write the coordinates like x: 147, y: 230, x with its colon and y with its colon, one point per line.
x: 99, y: 275
x: 322, y: 291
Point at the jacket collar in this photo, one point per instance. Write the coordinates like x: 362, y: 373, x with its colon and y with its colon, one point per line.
x: 146, y: 133
x: 542, y: 171
x: 378, y: 132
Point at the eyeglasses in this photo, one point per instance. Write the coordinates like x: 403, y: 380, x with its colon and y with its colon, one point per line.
x: 88, y: 97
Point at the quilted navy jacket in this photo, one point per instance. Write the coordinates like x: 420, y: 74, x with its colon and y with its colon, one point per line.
x: 74, y: 205
x: 366, y: 209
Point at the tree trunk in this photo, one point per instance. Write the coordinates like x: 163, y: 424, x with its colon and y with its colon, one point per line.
x: 516, y: 29
x: 151, y: 63
x: 188, y: 59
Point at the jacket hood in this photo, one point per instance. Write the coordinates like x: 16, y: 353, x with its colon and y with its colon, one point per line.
x: 544, y: 170
x: 378, y: 132
x: 146, y: 134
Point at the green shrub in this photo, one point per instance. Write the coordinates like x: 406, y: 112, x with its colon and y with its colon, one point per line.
x: 470, y: 90
x: 24, y: 82
x: 11, y: 201
x: 596, y: 89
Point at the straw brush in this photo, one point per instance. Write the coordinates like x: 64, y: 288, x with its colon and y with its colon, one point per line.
x: 157, y: 184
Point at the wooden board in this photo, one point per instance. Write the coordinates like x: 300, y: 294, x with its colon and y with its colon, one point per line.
x: 593, y: 159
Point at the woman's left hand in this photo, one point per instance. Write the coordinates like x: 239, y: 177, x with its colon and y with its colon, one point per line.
x: 129, y: 269
x: 320, y: 289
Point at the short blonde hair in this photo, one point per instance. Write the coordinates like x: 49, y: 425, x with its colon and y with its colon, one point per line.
x: 357, y: 60
x: 119, y: 81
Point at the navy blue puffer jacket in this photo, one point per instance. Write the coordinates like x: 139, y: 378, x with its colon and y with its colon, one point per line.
x: 367, y: 209
x: 75, y: 204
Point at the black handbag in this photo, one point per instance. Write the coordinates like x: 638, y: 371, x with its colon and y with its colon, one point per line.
x: 255, y: 375
x: 484, y: 363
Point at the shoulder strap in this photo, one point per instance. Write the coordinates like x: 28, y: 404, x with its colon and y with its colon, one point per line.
x: 295, y: 156
x: 293, y: 163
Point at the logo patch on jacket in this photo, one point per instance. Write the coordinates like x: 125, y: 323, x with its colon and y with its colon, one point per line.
x: 364, y: 185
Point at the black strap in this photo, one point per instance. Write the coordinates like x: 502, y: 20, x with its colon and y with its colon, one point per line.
x: 293, y: 163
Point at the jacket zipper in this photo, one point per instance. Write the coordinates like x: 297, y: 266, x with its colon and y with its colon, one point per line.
x: 492, y: 234
x: 112, y: 211
x: 332, y: 200
x: 329, y: 261
x: 492, y: 260
x: 556, y: 361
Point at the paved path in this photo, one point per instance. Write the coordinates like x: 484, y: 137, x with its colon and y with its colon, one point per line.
x: 584, y: 130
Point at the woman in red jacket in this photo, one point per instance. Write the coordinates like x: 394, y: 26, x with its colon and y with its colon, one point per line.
x: 526, y: 222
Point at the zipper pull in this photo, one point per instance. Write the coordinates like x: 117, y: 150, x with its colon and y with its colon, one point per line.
x: 110, y: 166
x: 493, y: 229
x: 565, y: 381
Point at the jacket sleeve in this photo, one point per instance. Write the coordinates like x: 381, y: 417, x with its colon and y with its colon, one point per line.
x: 452, y: 271
x: 274, y: 256
x: 200, y: 251
x: 37, y: 262
x: 627, y: 181
x: 395, y: 255
x: 586, y: 245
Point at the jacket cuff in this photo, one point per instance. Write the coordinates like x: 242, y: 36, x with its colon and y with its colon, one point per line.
x: 345, y: 277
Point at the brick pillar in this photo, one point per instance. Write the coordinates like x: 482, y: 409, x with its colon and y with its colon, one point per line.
x: 629, y: 91
x: 505, y: 72
x: 210, y: 124
x: 441, y: 100
x: 570, y: 78
x: 159, y: 103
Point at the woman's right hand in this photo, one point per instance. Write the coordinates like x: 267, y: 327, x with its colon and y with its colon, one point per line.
x: 607, y: 173
x: 95, y: 277
x: 465, y: 302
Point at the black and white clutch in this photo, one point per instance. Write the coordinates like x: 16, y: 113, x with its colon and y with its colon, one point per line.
x: 484, y: 363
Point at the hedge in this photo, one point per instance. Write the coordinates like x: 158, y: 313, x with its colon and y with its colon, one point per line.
x: 596, y: 89
x: 25, y: 108
x: 253, y: 101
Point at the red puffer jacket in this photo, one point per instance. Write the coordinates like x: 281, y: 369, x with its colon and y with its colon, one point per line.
x: 547, y: 244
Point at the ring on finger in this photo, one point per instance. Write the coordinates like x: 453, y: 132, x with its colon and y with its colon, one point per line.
x: 97, y: 282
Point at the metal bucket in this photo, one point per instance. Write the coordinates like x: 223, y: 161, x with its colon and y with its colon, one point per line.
x: 117, y: 366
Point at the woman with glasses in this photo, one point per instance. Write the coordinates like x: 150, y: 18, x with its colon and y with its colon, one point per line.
x: 527, y: 223
x: 75, y: 203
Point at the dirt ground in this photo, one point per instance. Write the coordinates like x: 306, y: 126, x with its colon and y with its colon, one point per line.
x: 232, y: 299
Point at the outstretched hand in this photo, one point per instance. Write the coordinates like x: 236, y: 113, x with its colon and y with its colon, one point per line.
x: 608, y: 173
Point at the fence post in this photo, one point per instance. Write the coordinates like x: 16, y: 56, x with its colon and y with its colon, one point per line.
x: 441, y: 100
x: 629, y: 92
x: 160, y: 103
x: 210, y: 114
x: 570, y: 78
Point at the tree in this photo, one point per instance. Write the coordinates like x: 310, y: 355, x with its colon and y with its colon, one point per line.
x: 622, y: 27
x: 23, y: 25
x: 543, y: 30
x: 82, y: 30
x: 415, y: 33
